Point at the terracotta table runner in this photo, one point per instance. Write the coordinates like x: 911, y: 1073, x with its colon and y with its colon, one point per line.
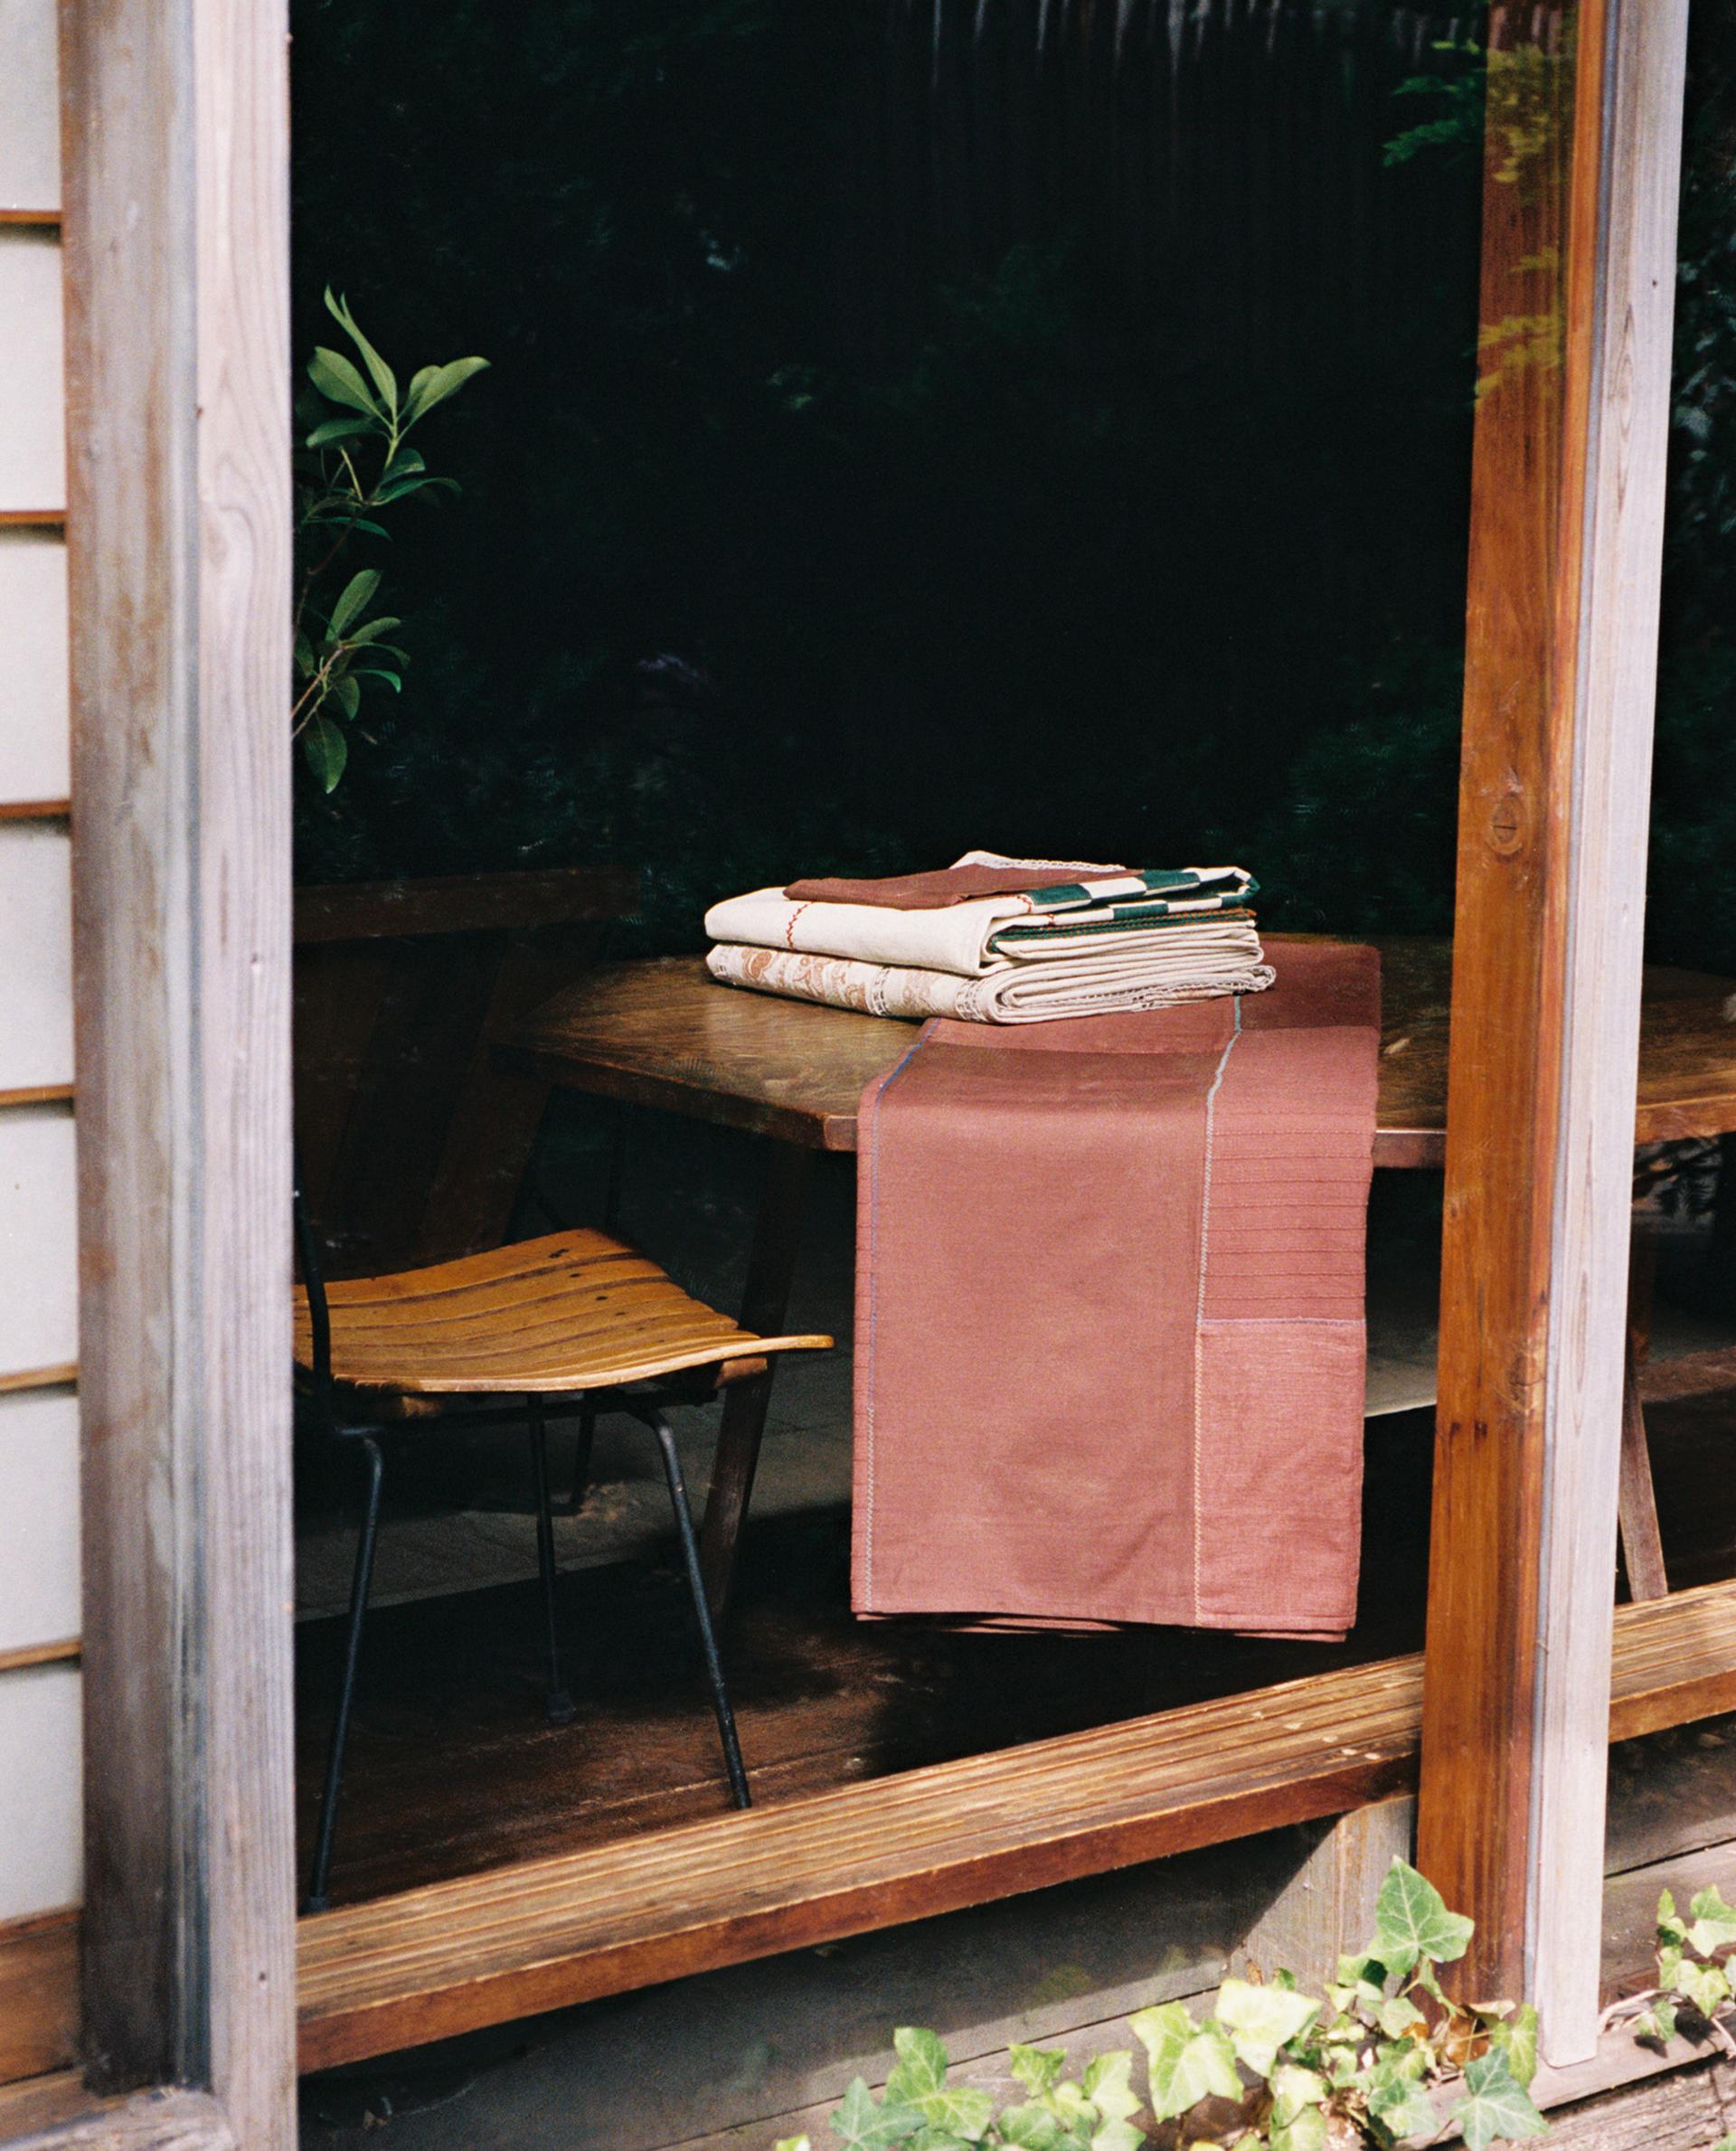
x: 1110, y: 1318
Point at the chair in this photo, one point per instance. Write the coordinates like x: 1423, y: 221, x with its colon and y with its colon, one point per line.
x: 575, y: 1319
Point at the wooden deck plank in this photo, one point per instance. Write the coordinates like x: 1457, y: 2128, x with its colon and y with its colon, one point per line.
x: 482, y: 1949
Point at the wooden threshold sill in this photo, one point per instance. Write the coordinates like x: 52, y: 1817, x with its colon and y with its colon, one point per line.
x: 485, y: 1949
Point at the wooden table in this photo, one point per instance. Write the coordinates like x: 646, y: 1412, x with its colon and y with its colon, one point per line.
x: 664, y: 1033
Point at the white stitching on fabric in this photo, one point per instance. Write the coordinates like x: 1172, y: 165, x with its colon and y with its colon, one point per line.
x: 872, y: 1133
x: 1199, y: 1309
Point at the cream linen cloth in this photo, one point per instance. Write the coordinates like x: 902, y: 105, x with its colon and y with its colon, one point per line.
x: 1115, y: 912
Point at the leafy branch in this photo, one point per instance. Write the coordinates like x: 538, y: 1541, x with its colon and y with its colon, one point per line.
x: 1271, y: 2068
x: 357, y: 463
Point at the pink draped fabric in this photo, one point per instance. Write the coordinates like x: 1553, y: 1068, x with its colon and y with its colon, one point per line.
x: 1109, y: 1321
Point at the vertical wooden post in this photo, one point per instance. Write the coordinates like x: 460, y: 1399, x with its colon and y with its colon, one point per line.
x: 177, y: 167
x: 1581, y: 175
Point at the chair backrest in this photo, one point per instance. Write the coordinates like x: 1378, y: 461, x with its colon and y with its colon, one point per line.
x: 413, y: 1147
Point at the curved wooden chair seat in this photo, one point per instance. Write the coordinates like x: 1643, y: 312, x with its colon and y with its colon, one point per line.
x: 573, y: 1311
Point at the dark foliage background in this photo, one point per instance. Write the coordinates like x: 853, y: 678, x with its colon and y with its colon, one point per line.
x: 837, y: 499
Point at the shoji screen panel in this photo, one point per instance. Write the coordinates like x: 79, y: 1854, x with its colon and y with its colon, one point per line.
x: 40, y: 1791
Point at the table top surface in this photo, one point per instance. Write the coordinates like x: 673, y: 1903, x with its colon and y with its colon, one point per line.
x: 664, y: 1033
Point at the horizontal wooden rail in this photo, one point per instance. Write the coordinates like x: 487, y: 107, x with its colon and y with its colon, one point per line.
x: 57, y: 1377
x: 35, y: 810
x: 30, y: 220
x: 64, y: 1651
x: 38, y: 1094
x: 33, y: 518
x: 511, y: 1942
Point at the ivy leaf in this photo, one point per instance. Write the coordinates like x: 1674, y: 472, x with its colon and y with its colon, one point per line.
x: 1516, y: 2037
x: 1106, y: 2084
x: 860, y: 2124
x: 1032, y: 2128
x: 963, y: 2112
x: 1670, y: 1928
x: 794, y: 2143
x: 434, y: 385
x: 1495, y: 2106
x: 1307, y: 2132
x: 1656, y: 2023
x: 921, y: 2064
x: 337, y: 379
x: 1398, y: 2016
x: 1714, y: 1923
x: 1037, y: 2068
x: 1204, y: 2066
x: 1261, y: 2019
x: 354, y: 598
x: 385, y: 379
x: 1412, y: 1922
x: 1396, y: 2096
x: 1705, y: 1985
x: 326, y: 751
x: 1294, y: 2088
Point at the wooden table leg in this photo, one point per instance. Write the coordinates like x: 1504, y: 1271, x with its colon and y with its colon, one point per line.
x: 776, y: 1236
x: 1642, y: 1545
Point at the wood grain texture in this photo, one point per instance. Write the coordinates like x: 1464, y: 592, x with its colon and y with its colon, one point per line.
x: 1327, y: 1908
x: 571, y: 1311
x: 39, y: 1993
x: 429, y: 1962
x: 178, y: 366
x: 1621, y: 298
x: 33, y: 518
x: 32, y: 220
x: 35, y: 810
x: 37, y: 1094
x: 664, y: 1033
x: 161, y: 2120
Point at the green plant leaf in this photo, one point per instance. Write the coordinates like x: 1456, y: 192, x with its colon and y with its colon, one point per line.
x: 337, y: 379
x: 403, y: 462
x: 1412, y: 1922
x: 863, y: 2124
x: 1494, y: 2107
x: 793, y: 2143
x: 373, y: 630
x: 1261, y: 2019
x: 304, y: 655
x: 1032, y: 2128
x: 353, y: 599
x: 1395, y: 2091
x: 331, y: 430
x: 401, y: 489
x: 1307, y: 2132
x: 1037, y: 2068
x: 1714, y: 1922
x: 1118, y: 2136
x: 434, y: 385
x: 1187, y: 2064
x: 385, y: 379
x: 1705, y: 1985
x: 1670, y: 1928
x: 1399, y: 2015
x: 326, y: 751
x: 1107, y: 2084
x: 346, y: 693
x: 1656, y: 2023
x: 1294, y: 2088
x: 1516, y: 2037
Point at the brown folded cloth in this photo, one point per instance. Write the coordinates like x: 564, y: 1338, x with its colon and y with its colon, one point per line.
x: 1110, y: 1318
x: 947, y: 886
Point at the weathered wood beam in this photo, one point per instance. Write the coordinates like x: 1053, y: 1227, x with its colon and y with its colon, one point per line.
x: 176, y: 165
x: 1580, y: 172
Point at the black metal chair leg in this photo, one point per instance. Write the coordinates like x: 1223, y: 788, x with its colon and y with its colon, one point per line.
x: 317, y: 1900
x: 725, y: 1715
x: 559, y: 1704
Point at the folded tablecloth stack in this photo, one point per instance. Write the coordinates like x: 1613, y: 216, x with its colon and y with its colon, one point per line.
x: 990, y: 939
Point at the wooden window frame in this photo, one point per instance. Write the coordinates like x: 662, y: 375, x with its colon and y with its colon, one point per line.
x: 177, y: 274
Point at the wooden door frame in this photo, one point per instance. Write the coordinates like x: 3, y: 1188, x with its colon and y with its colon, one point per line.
x: 177, y: 275
x: 1577, y: 283
x: 176, y: 161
